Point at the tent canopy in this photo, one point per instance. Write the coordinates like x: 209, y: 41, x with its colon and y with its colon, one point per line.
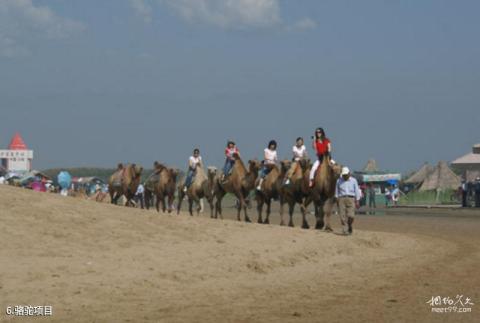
x: 442, y: 177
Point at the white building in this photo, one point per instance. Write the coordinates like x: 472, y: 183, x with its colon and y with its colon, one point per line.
x: 469, y: 164
x: 17, y: 157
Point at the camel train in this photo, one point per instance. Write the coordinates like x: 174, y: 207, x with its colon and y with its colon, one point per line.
x: 290, y: 182
x: 212, y: 185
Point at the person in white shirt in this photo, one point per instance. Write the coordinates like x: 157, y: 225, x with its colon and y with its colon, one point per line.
x: 395, y: 195
x: 269, y: 160
x: 193, y: 162
x: 299, y: 153
x: 140, y: 195
x: 348, y: 195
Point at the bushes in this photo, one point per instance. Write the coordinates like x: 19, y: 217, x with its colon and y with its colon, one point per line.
x: 430, y: 198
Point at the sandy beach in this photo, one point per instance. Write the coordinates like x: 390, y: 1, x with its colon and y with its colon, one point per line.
x: 95, y: 262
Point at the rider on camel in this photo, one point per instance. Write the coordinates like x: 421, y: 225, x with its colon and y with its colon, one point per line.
x: 323, y: 148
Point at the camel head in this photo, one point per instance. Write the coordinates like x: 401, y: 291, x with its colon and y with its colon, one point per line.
x: 285, y: 165
x: 337, y: 169
x: 158, y: 166
x: 212, y: 172
x: 236, y: 155
x: 173, y: 173
x: 137, y: 171
x: 253, y: 166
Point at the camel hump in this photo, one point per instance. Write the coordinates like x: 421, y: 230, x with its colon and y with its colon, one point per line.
x: 116, y: 178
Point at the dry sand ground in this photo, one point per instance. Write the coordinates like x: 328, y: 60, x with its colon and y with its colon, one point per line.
x: 95, y: 262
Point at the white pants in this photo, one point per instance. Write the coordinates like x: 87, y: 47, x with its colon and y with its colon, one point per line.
x: 314, y: 169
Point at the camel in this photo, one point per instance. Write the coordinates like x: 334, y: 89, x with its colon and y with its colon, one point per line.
x: 203, y: 186
x: 161, y: 183
x: 125, y: 182
x: 240, y: 182
x: 322, y: 194
x: 272, y: 188
x: 296, y: 193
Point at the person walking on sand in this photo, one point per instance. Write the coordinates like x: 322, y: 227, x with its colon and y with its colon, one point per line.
x: 347, y: 194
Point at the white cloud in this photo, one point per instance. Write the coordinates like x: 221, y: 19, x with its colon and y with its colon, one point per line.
x: 142, y: 9
x: 235, y: 14
x: 303, y: 24
x: 21, y: 21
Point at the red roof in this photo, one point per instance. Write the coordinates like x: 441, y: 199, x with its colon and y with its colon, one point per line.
x: 17, y: 143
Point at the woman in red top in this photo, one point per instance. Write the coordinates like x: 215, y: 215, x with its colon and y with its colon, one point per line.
x: 323, y: 147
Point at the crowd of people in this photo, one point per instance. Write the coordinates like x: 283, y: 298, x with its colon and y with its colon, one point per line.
x: 320, y: 143
x: 470, y: 191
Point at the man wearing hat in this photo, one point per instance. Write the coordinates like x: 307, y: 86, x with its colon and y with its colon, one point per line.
x: 348, y: 196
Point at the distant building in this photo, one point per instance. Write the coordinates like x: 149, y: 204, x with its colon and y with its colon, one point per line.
x: 17, y: 157
x: 469, y: 164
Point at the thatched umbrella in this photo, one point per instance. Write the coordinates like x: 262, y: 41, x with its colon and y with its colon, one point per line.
x: 419, y: 176
x: 442, y: 177
x: 371, y: 166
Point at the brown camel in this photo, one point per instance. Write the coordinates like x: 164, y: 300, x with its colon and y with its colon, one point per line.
x: 240, y: 182
x: 297, y: 192
x: 271, y: 188
x: 203, y: 186
x: 125, y: 182
x: 161, y: 183
x: 322, y: 194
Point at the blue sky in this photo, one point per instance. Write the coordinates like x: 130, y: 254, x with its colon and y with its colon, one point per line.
x: 92, y: 83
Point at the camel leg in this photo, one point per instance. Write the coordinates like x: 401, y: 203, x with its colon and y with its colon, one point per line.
x: 113, y: 197
x: 210, y: 202
x: 260, y: 208
x: 190, y: 206
x: 239, y: 209
x: 319, y: 215
x: 128, y: 197
x: 147, y: 199
x: 157, y: 203
x: 243, y: 205
x: 197, y: 203
x: 180, y: 197
x: 291, y: 208
x: 218, y: 205
x: 282, y: 202
x: 327, y: 208
x: 239, y: 205
x: 170, y: 202
x: 304, y: 217
x: 164, y: 204
x: 269, y: 208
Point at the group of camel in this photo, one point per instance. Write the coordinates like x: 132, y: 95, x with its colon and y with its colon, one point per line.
x: 242, y: 180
